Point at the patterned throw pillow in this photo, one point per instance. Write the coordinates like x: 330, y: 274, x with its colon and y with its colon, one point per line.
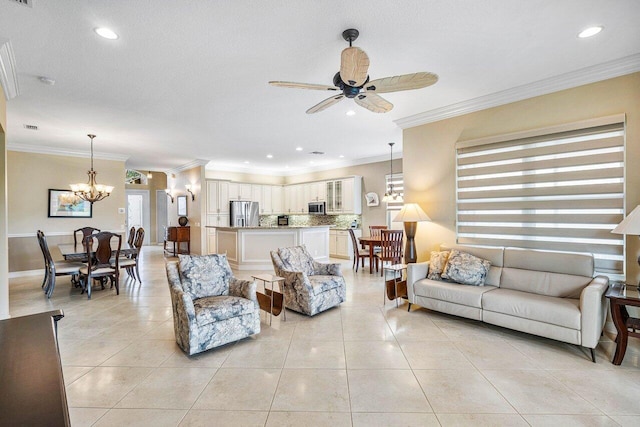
x: 296, y: 258
x: 436, y: 264
x: 204, y: 275
x: 466, y: 269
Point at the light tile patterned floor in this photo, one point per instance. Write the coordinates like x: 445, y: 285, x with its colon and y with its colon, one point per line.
x: 361, y: 364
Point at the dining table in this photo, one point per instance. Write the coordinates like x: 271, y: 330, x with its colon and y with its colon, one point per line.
x: 73, y: 252
x: 372, y: 242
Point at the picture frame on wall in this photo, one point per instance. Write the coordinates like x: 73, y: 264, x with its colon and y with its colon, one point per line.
x: 65, y: 204
x: 182, y: 205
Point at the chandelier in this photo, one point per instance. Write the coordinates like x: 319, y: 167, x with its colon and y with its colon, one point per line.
x: 91, y: 192
x: 390, y: 195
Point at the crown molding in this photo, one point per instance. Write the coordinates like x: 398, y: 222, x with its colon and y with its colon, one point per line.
x: 42, y: 149
x: 606, y: 70
x: 8, y: 74
x: 192, y: 164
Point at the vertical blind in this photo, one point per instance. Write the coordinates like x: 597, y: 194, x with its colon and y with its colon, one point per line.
x: 562, y: 191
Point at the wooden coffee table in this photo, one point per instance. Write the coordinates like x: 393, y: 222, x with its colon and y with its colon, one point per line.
x: 620, y: 296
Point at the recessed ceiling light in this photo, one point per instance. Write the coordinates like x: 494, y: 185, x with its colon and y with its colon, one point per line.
x: 341, y: 156
x: 588, y: 32
x: 106, y: 33
x: 269, y: 156
x: 246, y: 162
x: 312, y: 162
x: 298, y: 148
x: 351, y: 113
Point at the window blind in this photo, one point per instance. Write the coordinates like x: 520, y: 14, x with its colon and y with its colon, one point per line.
x: 398, y: 186
x: 562, y: 191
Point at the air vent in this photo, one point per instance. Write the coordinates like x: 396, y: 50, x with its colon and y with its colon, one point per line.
x: 27, y: 3
x: 31, y: 127
x: 318, y: 153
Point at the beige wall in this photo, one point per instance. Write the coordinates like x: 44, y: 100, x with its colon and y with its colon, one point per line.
x: 244, y: 177
x: 429, y: 154
x: 30, y: 176
x: 4, y: 246
x: 157, y: 182
x: 373, y: 180
x: 195, y: 208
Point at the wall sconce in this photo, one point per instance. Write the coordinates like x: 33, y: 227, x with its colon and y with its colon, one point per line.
x: 193, y: 197
x: 168, y: 191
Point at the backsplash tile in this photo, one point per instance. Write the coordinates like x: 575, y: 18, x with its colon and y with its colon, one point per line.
x: 341, y: 221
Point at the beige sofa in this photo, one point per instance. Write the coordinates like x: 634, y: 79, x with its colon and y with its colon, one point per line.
x: 550, y: 294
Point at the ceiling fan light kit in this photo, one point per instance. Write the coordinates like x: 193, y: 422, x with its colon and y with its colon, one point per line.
x: 353, y: 81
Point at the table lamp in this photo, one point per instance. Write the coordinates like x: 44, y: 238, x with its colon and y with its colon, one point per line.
x: 630, y: 225
x: 411, y: 214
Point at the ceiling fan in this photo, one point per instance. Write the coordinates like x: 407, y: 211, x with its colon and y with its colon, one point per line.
x: 353, y: 81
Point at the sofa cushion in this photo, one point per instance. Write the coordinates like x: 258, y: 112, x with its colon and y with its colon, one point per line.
x: 466, y: 269
x: 563, y: 312
x: 436, y: 264
x: 204, y: 275
x: 554, y: 274
x: 321, y: 283
x: 218, y: 308
x: 494, y: 255
x: 296, y: 258
x: 451, y: 292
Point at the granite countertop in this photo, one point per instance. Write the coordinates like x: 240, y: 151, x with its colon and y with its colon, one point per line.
x: 345, y: 228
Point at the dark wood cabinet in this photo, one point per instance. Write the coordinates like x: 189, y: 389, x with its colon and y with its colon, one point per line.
x: 178, y: 235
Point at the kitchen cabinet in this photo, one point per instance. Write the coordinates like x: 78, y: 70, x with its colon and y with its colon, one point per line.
x: 344, y: 196
x: 217, y: 197
x: 256, y: 194
x: 277, y: 205
x: 223, y: 196
x: 211, y: 241
x: 218, y: 220
x: 340, y: 245
x: 239, y: 191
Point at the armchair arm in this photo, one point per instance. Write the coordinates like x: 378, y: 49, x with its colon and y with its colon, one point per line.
x: 243, y: 288
x: 415, y: 272
x: 184, y: 313
x: 298, y: 281
x: 327, y: 269
x: 593, y: 310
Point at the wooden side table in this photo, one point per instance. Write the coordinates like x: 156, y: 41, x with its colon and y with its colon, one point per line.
x: 620, y: 296
x: 271, y: 300
x: 395, y: 287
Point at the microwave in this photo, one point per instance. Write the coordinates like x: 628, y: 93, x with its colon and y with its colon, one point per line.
x: 317, y: 208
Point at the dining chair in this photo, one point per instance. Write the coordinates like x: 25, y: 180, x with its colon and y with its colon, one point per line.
x: 130, y: 263
x: 358, y: 253
x: 52, y: 268
x: 86, y: 231
x: 374, y: 231
x: 390, y: 247
x: 99, y: 261
x: 132, y: 236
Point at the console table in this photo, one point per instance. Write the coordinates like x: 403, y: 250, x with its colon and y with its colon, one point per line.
x: 32, y: 389
x: 620, y: 296
x: 178, y: 235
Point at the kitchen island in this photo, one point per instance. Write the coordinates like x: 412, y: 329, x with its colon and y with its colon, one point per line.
x: 248, y: 248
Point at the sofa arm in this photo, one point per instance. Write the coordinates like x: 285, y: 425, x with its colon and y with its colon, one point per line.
x: 326, y: 269
x: 415, y: 272
x: 593, y: 310
x: 243, y: 288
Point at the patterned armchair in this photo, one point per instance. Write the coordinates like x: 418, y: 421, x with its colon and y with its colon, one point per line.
x: 210, y: 306
x: 309, y: 286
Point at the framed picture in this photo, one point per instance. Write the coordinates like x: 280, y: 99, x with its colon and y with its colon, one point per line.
x: 65, y: 204
x: 182, y: 205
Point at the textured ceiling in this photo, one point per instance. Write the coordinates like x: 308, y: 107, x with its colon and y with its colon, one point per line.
x: 188, y: 80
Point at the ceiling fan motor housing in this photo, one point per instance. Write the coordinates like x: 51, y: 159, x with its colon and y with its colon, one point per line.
x: 347, y: 90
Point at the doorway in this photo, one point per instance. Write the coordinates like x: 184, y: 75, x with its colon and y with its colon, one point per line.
x: 138, y: 214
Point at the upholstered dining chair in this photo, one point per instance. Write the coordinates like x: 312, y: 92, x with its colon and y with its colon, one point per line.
x: 130, y: 262
x: 210, y: 306
x: 390, y: 247
x: 310, y: 287
x: 99, y: 264
x: 86, y: 231
x: 52, y: 268
x: 359, y: 254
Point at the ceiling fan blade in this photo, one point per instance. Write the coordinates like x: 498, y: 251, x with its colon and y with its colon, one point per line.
x: 403, y: 82
x: 311, y: 86
x: 373, y: 102
x: 325, y: 104
x: 354, y: 66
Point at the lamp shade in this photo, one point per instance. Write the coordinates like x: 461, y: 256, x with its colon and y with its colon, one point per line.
x: 629, y: 225
x: 411, y: 212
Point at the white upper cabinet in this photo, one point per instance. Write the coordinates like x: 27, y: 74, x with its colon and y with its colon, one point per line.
x: 256, y: 194
x: 277, y: 205
x: 213, y: 203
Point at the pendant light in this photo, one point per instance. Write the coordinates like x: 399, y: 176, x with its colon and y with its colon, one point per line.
x: 91, y: 191
x: 390, y: 195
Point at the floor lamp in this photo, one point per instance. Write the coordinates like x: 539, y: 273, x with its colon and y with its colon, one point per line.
x: 411, y: 214
x: 630, y: 225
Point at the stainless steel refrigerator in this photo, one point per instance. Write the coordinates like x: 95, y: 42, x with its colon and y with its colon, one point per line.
x: 244, y: 214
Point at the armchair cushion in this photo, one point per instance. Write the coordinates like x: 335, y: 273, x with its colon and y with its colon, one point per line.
x: 297, y: 258
x: 217, y: 308
x: 204, y: 276
x: 321, y: 284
